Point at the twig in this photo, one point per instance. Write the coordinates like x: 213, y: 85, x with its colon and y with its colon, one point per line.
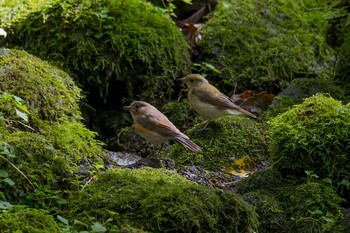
x: 87, y: 182
x: 20, y: 172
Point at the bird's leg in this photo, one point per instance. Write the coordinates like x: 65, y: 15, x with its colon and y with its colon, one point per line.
x: 155, y: 151
x: 205, y: 125
x: 159, y: 152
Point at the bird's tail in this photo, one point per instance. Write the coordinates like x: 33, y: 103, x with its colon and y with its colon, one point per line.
x: 188, y: 144
x: 247, y: 113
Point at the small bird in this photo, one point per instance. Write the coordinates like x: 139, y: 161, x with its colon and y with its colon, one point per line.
x: 208, y: 101
x: 155, y: 127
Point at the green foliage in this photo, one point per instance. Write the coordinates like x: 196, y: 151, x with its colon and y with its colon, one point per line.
x: 66, y: 227
x: 160, y: 201
x: 293, y: 205
x: 271, y: 211
x: 15, y: 10
x: 48, y: 92
x: 263, y: 45
x: 41, y: 138
x: 21, y: 219
x: 223, y: 142
x: 338, y: 37
x: 268, y: 179
x: 315, y: 207
x: 108, y: 45
x: 314, y: 135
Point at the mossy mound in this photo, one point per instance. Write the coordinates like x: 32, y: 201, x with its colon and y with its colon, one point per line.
x: 161, y: 201
x: 263, y: 45
x: 268, y: 179
x: 338, y: 36
x: 315, y: 207
x: 114, y: 48
x: 41, y: 138
x: 306, y: 207
x: 20, y: 219
x: 293, y: 205
x: 48, y: 92
x: 313, y: 136
x: 262, y: 190
x: 224, y: 142
x: 271, y: 211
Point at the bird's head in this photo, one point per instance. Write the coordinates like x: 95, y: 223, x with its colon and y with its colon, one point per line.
x: 194, y: 80
x: 137, y: 107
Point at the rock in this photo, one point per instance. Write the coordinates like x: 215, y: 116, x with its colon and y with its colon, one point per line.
x: 302, y: 88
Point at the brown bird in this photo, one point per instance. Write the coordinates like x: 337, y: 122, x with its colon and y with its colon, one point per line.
x: 208, y: 101
x: 155, y: 127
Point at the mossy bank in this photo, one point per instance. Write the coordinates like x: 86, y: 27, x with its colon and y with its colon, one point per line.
x: 42, y: 139
x: 158, y: 200
x: 224, y: 142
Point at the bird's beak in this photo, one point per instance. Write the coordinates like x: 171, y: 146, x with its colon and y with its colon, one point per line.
x: 182, y: 79
x: 127, y: 108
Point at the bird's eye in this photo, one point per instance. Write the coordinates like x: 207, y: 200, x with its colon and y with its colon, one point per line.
x: 191, y: 80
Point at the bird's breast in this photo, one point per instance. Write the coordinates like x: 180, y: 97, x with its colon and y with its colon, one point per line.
x: 149, y: 135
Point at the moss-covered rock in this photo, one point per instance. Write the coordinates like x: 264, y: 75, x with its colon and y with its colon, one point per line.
x: 48, y: 92
x: 120, y: 49
x: 338, y: 37
x: 262, y: 190
x: 21, y: 219
x: 293, y: 205
x: 41, y: 137
x: 313, y: 136
x: 161, y: 201
x: 271, y: 211
x: 315, y: 207
x: 224, y: 142
x: 301, y: 88
x: 268, y: 179
x: 263, y: 45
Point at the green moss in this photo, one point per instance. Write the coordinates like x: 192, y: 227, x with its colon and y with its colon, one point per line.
x: 263, y: 45
x: 314, y: 136
x: 48, y: 92
x: 315, y: 207
x: 223, y: 142
x: 41, y: 138
x: 161, y: 201
x: 271, y: 211
x: 130, y: 46
x: 21, y: 220
x: 289, y: 205
x: 14, y: 10
x: 268, y: 179
x: 338, y: 37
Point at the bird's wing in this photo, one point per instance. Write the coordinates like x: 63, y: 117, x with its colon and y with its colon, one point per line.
x: 214, y: 97
x: 160, y: 124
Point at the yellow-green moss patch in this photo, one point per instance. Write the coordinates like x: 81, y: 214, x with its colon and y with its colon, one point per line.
x: 21, y: 219
x: 42, y: 140
x: 225, y: 141
x: 161, y: 201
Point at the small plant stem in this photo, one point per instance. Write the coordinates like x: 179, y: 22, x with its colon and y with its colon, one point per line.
x: 14, y: 166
